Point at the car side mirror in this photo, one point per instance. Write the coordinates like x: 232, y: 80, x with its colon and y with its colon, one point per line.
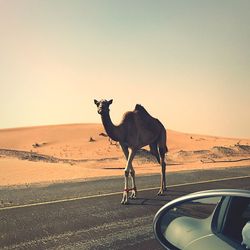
x: 213, y: 219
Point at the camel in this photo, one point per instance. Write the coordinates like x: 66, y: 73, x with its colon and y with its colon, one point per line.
x: 136, y: 130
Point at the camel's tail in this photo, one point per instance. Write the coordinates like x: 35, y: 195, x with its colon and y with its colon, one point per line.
x: 154, y: 151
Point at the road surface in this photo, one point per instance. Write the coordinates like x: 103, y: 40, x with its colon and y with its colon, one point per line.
x: 88, y: 214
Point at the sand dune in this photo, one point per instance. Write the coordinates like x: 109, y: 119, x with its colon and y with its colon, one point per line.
x: 81, y: 151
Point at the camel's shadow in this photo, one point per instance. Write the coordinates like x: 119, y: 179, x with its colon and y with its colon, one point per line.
x: 156, y: 200
x: 149, y: 201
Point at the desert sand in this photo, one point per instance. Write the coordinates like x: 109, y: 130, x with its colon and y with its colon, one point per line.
x: 60, y: 153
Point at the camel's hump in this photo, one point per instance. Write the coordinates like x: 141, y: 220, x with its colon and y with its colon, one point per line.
x: 148, y: 121
x: 139, y: 107
x: 143, y: 112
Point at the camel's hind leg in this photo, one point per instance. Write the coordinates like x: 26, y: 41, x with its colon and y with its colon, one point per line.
x: 162, y: 150
x: 163, y: 187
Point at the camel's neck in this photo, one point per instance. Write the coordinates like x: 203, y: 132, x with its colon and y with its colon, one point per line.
x: 111, y: 129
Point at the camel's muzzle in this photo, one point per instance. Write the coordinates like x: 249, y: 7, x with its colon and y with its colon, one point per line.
x: 101, y: 111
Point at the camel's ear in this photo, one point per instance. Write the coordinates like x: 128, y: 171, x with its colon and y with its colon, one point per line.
x: 110, y: 101
x: 96, y: 102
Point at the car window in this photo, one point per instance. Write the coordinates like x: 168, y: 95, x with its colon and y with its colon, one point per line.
x: 237, y: 216
x: 246, y: 229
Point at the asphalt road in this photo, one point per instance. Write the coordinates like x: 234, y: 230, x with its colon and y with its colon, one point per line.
x: 88, y: 214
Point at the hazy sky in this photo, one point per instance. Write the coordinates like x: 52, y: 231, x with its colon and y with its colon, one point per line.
x: 187, y: 62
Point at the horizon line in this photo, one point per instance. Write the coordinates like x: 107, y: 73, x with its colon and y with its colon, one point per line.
x: 100, y: 123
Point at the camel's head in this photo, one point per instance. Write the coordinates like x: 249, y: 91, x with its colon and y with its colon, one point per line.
x: 103, y: 106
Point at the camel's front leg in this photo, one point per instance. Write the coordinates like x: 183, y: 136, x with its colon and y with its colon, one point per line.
x: 126, y: 190
x: 126, y: 174
x: 133, y: 189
